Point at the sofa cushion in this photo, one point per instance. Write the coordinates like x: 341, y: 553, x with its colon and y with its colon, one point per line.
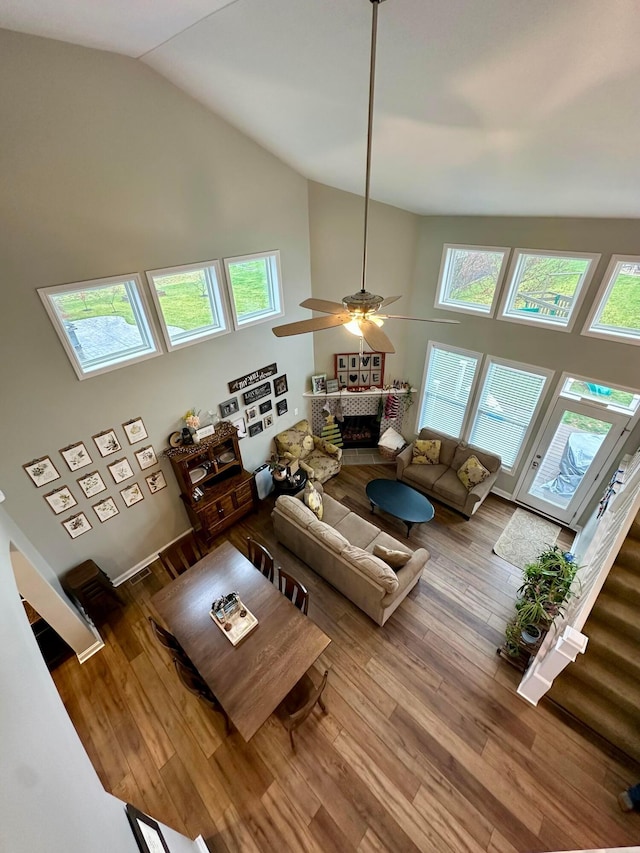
x: 297, y: 441
x: 334, y: 511
x: 372, y: 566
x: 491, y: 461
x: 451, y: 489
x: 328, y: 536
x: 295, y: 509
x: 313, y: 499
x: 392, y: 557
x: 424, y: 475
x: 426, y: 452
x: 358, y: 531
x: 447, y: 445
x: 472, y: 472
x: 323, y: 466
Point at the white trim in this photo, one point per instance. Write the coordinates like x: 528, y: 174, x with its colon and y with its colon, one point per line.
x: 201, y: 845
x: 516, y: 365
x: 117, y: 362
x: 537, y: 319
x: 129, y: 573
x: 600, y: 301
x: 470, y: 308
x: 199, y: 334
x: 478, y: 356
x: 502, y: 493
x: 277, y: 292
x: 84, y: 655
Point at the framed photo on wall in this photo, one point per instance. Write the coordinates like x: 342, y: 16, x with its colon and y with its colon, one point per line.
x: 318, y: 383
x: 229, y: 407
x: 280, y: 385
x: 357, y: 372
x: 265, y: 407
x: 241, y: 427
x: 77, y: 525
x: 60, y: 500
x: 132, y: 495
x: 156, y: 482
x: 76, y: 456
x: 135, y: 430
x: 254, y: 429
x: 146, y: 457
x: 107, y: 442
x: 120, y: 470
x: 92, y: 484
x: 42, y: 471
x: 106, y: 509
x: 282, y: 407
x: 146, y: 831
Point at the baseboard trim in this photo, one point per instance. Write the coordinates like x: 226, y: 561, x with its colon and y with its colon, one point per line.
x: 502, y: 494
x: 87, y: 653
x: 147, y: 561
x: 201, y: 844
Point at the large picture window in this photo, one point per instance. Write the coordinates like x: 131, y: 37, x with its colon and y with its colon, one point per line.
x: 103, y: 324
x: 449, y: 380
x: 255, y: 287
x: 470, y: 278
x: 546, y: 288
x: 616, y: 311
x: 190, y: 303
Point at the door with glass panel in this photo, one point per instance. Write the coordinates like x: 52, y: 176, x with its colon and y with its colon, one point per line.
x: 572, y: 449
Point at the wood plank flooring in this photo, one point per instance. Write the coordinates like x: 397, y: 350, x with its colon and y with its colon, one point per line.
x: 426, y: 746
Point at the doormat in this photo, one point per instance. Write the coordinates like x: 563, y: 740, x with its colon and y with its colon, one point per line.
x: 525, y: 537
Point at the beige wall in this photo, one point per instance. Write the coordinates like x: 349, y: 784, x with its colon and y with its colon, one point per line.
x: 107, y: 169
x: 336, y: 223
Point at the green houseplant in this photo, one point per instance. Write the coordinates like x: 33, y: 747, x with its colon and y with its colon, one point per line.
x: 543, y: 595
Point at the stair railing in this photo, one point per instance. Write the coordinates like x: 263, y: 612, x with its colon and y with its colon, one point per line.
x: 565, y: 640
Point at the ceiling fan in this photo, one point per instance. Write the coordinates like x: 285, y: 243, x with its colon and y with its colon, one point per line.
x: 358, y: 312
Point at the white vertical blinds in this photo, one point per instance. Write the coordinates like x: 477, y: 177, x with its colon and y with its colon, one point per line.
x: 506, y: 407
x: 447, y: 388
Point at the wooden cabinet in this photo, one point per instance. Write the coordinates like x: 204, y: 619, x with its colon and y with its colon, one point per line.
x: 214, y: 486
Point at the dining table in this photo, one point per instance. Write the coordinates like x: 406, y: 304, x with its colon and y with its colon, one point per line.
x: 252, y: 678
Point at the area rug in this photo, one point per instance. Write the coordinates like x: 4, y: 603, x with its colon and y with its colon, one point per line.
x: 525, y: 537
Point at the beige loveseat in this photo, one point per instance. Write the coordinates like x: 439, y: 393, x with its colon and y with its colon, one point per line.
x: 317, y: 457
x: 441, y: 481
x: 340, y: 549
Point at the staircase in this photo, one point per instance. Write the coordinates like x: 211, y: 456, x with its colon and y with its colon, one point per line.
x: 602, y: 687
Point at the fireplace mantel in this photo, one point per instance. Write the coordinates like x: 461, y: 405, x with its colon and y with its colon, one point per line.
x: 360, y: 403
x: 354, y: 395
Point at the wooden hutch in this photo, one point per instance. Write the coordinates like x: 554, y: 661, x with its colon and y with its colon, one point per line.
x: 215, y: 488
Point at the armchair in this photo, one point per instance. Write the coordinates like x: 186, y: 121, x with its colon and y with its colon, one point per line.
x: 320, y: 459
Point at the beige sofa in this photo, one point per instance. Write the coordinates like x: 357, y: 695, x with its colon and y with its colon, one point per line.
x: 340, y: 549
x: 441, y: 481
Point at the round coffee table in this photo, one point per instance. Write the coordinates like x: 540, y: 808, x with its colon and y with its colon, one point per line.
x: 399, y: 500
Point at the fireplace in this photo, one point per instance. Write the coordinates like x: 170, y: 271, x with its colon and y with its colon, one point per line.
x: 360, y: 430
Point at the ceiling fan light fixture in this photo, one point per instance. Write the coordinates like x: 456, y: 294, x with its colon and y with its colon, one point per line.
x: 353, y: 326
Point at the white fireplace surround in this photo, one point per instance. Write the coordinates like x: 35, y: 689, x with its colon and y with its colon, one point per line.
x: 358, y: 403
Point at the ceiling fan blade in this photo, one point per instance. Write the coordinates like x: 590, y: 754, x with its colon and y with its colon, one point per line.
x: 375, y: 337
x: 323, y: 305
x: 421, y: 319
x: 389, y: 300
x: 315, y: 324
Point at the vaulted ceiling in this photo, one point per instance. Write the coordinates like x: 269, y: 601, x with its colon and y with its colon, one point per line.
x: 496, y: 107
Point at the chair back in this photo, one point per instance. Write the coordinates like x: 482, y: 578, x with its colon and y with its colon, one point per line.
x: 181, y: 555
x: 301, y: 702
x: 261, y: 558
x: 169, y: 642
x: 293, y: 590
x: 194, y: 682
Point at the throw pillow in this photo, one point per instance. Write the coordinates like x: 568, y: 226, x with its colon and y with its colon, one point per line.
x: 472, y: 472
x: 426, y: 452
x: 395, y: 559
x: 313, y: 499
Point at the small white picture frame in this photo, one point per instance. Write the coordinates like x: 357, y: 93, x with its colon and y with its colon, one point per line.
x: 42, y: 471
x: 106, y: 509
x: 91, y: 484
x: 60, y: 500
x: 107, y: 442
x: 318, y: 383
x: 77, y: 525
x: 251, y: 414
x: 156, y: 482
x: 135, y: 430
x: 146, y: 457
x: 132, y: 495
x: 120, y: 470
x: 76, y: 456
x: 241, y: 427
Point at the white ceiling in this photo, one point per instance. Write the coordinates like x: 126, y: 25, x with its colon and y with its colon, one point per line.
x: 505, y: 107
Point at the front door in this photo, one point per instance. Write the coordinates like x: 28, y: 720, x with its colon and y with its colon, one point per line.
x: 571, y: 451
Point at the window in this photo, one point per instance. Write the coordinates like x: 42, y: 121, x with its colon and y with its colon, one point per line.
x: 190, y: 303
x: 449, y: 378
x: 102, y: 324
x: 545, y: 288
x: 470, y: 278
x: 508, y: 402
x: 618, y: 399
x: 255, y: 288
x: 616, y: 312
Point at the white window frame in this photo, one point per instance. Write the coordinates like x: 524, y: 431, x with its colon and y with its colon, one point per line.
x: 469, y: 308
x: 276, y: 292
x: 604, y: 291
x: 607, y: 406
x: 474, y: 403
x: 217, y: 295
x: 478, y: 356
x: 141, y: 312
x: 539, y: 320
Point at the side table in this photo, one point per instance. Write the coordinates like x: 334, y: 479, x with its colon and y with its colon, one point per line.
x: 91, y: 588
x: 291, y: 485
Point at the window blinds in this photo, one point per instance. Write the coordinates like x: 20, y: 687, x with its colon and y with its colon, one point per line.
x: 448, y: 384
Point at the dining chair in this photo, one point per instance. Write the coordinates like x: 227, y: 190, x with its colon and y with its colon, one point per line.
x: 181, y: 555
x: 261, y: 558
x: 294, y: 590
x: 169, y: 642
x: 299, y: 702
x: 194, y: 682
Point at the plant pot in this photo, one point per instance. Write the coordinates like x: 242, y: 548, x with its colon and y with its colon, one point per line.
x: 531, y: 634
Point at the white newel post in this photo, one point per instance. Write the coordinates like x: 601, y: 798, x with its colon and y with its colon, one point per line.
x: 538, y: 679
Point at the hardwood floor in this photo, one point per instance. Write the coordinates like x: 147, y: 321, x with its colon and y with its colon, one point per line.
x: 426, y: 746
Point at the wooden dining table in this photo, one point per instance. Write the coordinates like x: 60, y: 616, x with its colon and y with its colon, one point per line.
x: 250, y: 679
